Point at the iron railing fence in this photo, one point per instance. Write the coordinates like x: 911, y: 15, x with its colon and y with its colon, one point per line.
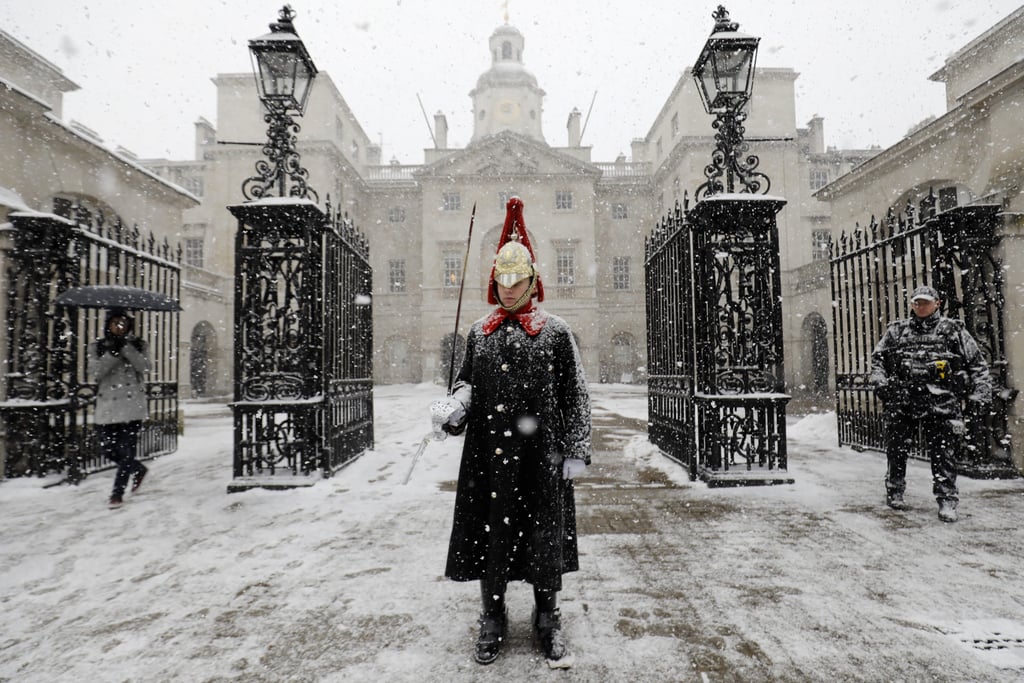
x: 873, y: 271
x: 48, y: 408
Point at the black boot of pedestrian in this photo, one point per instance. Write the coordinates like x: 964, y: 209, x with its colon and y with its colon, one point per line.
x: 493, y: 622
x: 947, y: 511
x: 894, y: 499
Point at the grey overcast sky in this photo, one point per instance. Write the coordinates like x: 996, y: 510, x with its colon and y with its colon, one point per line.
x: 144, y: 67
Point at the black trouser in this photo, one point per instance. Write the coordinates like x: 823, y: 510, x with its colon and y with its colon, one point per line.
x: 492, y: 594
x: 119, y: 442
x: 942, y: 439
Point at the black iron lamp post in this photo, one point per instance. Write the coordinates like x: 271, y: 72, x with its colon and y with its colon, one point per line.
x: 284, y: 75
x: 724, y: 73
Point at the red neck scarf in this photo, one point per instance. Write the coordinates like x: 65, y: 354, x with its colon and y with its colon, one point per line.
x: 529, y: 317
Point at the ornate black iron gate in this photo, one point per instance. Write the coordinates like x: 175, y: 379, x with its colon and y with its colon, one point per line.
x: 47, y: 412
x: 303, y: 343
x: 873, y: 270
x: 716, y: 400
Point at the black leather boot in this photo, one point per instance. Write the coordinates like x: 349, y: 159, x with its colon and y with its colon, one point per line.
x: 491, y: 638
x: 493, y: 622
x: 547, y: 625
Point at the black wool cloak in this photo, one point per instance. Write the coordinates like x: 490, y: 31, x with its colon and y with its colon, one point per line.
x: 515, y: 516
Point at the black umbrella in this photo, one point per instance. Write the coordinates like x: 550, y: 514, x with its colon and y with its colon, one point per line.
x: 116, y: 296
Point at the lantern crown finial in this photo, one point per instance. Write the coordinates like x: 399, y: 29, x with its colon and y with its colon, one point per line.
x: 722, y: 22
x: 284, y: 20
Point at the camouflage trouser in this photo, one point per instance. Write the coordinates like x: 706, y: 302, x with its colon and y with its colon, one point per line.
x: 943, y: 438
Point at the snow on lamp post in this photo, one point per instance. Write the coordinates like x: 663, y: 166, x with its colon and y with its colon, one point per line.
x: 284, y: 76
x: 724, y: 73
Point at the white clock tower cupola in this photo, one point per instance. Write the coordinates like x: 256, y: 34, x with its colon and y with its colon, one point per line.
x: 506, y: 96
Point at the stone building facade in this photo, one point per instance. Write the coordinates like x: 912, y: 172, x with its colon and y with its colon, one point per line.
x: 588, y: 219
x: 971, y: 154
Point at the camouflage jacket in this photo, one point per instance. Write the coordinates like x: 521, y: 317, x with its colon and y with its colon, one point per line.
x: 928, y: 366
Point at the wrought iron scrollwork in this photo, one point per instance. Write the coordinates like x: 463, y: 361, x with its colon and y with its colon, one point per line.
x: 303, y: 375
x: 730, y: 166
x: 283, y: 165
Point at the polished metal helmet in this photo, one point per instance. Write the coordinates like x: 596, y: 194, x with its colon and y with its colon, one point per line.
x: 512, y: 264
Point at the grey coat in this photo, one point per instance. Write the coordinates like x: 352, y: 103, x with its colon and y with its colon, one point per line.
x: 120, y: 382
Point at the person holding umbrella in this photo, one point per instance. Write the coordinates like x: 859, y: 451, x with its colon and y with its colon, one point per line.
x: 118, y: 363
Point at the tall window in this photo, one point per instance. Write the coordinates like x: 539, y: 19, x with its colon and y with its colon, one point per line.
x: 563, y: 200
x: 355, y: 151
x: 451, y: 269
x: 565, y: 263
x: 819, y: 178
x: 620, y: 272
x: 675, y: 124
x: 620, y: 212
x: 396, y: 276
x: 396, y: 214
x: 194, y: 252
x: 451, y: 201
x: 820, y: 239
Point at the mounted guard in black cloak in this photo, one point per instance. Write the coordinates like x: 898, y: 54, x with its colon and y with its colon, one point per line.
x: 522, y: 397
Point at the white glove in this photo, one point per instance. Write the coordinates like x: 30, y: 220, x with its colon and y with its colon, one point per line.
x: 573, y: 467
x: 447, y: 411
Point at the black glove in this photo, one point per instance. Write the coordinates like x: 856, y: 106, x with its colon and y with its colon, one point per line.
x: 454, y: 430
x: 137, y: 343
x: 107, y: 345
x: 884, y: 392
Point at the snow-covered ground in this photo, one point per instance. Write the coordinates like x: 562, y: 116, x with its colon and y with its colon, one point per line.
x: 342, y: 581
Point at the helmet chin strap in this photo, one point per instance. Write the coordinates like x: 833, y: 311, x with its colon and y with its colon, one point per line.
x: 521, y: 301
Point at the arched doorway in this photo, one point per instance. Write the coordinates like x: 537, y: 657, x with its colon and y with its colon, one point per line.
x: 624, y: 360
x: 202, y: 347
x: 396, y: 361
x: 447, y: 349
x: 816, y: 353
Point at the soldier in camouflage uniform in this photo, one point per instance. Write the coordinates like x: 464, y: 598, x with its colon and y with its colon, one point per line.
x: 924, y: 369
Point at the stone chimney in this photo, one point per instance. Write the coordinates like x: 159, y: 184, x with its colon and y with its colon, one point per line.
x: 373, y: 155
x: 206, y: 135
x: 638, y: 149
x: 816, y: 129
x: 573, y: 125
x: 440, y: 131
